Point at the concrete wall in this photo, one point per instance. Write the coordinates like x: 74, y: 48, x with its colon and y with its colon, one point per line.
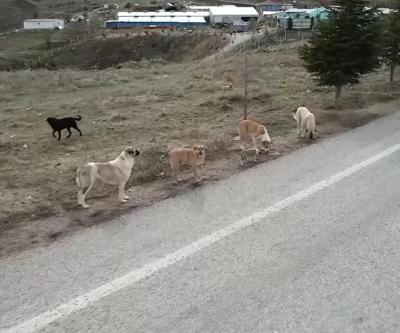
x: 215, y: 19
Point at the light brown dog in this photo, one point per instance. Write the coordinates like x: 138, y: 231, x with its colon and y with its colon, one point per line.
x: 250, y: 129
x: 194, y: 157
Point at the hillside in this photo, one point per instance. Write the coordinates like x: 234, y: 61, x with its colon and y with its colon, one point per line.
x: 13, y: 12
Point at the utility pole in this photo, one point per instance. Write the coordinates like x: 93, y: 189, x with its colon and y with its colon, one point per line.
x: 245, y: 85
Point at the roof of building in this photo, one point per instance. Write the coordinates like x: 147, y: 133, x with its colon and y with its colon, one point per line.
x: 386, y: 10
x: 318, y: 9
x: 233, y: 11
x: 270, y: 13
x: 145, y: 19
x: 43, y: 20
x: 164, y: 14
x: 276, y: 2
x: 296, y: 10
x: 196, y: 8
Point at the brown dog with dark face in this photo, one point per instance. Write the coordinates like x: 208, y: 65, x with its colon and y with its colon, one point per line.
x: 250, y: 129
x: 194, y: 157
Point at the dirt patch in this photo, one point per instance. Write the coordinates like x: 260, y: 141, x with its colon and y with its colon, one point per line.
x: 153, y: 106
x: 104, y: 53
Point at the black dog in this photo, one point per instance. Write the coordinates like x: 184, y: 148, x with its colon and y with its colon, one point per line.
x: 59, y: 124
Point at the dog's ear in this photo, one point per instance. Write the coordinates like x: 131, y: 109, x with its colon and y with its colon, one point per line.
x: 129, y: 152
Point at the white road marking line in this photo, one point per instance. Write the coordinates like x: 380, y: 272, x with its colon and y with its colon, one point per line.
x: 146, y: 271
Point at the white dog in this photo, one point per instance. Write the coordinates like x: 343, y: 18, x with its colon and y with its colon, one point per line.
x: 115, y: 172
x: 305, y: 122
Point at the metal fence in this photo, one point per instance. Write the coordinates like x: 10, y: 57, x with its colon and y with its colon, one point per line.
x: 269, y: 37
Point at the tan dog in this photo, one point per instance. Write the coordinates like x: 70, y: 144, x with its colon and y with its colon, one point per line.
x: 115, y: 172
x: 250, y: 129
x: 305, y: 122
x: 194, y: 157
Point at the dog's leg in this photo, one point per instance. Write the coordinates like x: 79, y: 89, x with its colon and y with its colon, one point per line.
x: 76, y: 127
x: 242, y: 143
x: 174, y: 172
x: 69, y: 131
x: 299, y: 131
x: 125, y: 196
x: 81, y: 199
x: 196, y: 173
x: 82, y: 194
x: 202, y: 177
x: 54, y: 134
x: 121, y: 193
x: 303, y: 131
x: 59, y: 135
x: 85, y: 180
x: 254, y: 142
x: 86, y: 191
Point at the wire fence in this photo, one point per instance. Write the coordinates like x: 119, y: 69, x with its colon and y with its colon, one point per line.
x: 269, y: 37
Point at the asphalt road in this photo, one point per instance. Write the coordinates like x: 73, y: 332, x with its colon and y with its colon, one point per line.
x: 309, y: 242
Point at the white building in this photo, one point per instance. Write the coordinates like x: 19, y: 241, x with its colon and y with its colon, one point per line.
x: 123, y: 15
x: 213, y: 14
x: 230, y: 14
x: 43, y: 24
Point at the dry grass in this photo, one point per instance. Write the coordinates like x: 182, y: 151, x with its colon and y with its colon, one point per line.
x: 152, y: 106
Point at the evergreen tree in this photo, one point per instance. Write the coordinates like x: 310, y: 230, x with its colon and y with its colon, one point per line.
x: 345, y: 47
x: 391, y: 42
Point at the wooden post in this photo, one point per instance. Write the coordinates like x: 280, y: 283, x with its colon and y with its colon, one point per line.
x: 245, y: 86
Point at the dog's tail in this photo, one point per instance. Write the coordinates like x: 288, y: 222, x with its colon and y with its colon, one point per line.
x: 294, y: 113
x: 78, y: 118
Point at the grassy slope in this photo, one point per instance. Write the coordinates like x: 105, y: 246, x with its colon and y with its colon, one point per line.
x: 149, y: 104
x: 13, y: 13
